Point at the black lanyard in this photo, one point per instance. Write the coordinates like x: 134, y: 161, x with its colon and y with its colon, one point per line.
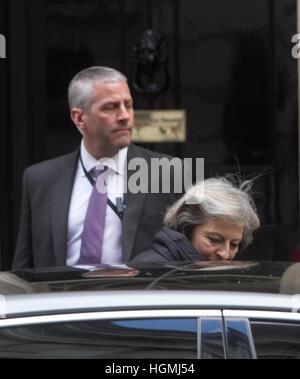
x: 117, y: 209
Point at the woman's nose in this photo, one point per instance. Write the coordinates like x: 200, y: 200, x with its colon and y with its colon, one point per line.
x: 224, y: 252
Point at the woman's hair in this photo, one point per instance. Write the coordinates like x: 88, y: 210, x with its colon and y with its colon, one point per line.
x: 226, y: 198
x: 81, y: 88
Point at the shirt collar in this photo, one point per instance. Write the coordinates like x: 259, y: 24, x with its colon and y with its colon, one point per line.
x: 117, y: 163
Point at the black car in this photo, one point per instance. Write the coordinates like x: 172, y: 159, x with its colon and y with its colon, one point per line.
x: 157, y: 311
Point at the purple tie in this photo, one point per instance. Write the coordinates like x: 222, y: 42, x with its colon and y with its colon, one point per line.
x: 93, y: 229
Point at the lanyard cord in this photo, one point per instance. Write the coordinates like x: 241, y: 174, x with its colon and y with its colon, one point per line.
x: 117, y: 209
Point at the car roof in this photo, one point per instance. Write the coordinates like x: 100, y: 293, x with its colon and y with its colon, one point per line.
x: 189, y: 285
x: 260, y: 277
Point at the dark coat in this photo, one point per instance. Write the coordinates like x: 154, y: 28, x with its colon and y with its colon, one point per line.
x: 169, y: 245
x: 47, y: 189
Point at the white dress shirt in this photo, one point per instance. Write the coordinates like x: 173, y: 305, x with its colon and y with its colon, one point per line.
x: 82, y: 189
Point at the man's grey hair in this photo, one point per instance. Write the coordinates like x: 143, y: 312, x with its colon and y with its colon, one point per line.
x: 81, y: 88
x: 211, y: 199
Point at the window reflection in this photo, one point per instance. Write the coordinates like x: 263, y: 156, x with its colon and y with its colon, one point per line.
x: 109, y: 339
x: 211, y: 339
x: 181, y: 325
x: 276, y: 340
x: 239, y: 339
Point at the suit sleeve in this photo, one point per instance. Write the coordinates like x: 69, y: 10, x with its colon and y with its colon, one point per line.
x: 23, y: 257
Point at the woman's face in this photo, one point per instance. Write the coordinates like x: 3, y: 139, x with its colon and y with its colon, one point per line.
x: 217, y: 239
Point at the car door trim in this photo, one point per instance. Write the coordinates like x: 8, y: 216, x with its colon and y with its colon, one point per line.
x: 88, y: 316
x: 261, y: 314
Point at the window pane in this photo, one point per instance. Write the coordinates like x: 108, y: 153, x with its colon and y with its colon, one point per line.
x: 277, y: 340
x: 211, y: 339
x: 135, y: 339
x: 239, y: 339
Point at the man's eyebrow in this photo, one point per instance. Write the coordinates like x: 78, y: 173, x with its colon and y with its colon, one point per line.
x: 117, y: 101
x: 110, y: 102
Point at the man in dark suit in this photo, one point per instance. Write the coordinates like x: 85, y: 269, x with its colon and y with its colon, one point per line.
x: 56, y: 193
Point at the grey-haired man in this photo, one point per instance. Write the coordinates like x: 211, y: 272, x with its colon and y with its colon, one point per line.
x: 56, y: 192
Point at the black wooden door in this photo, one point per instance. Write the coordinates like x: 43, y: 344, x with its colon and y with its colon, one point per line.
x: 229, y: 66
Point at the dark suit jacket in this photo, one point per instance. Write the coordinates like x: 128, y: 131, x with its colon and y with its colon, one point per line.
x: 47, y: 189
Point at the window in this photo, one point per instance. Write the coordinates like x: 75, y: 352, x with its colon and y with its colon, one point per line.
x: 211, y: 338
x: 277, y: 340
x: 239, y: 339
x: 135, y: 339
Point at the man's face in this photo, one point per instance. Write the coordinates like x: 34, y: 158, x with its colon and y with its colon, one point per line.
x: 107, y: 127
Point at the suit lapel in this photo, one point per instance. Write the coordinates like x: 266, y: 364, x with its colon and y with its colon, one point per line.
x: 61, y: 195
x: 134, y: 204
x: 61, y: 192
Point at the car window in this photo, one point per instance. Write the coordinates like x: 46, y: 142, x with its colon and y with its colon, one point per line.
x: 239, y: 339
x: 135, y: 339
x: 277, y: 340
x: 211, y: 338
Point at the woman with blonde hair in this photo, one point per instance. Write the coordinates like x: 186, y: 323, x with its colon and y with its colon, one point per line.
x: 214, y: 220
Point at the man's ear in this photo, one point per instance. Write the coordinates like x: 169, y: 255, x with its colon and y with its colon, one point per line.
x: 78, y: 119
